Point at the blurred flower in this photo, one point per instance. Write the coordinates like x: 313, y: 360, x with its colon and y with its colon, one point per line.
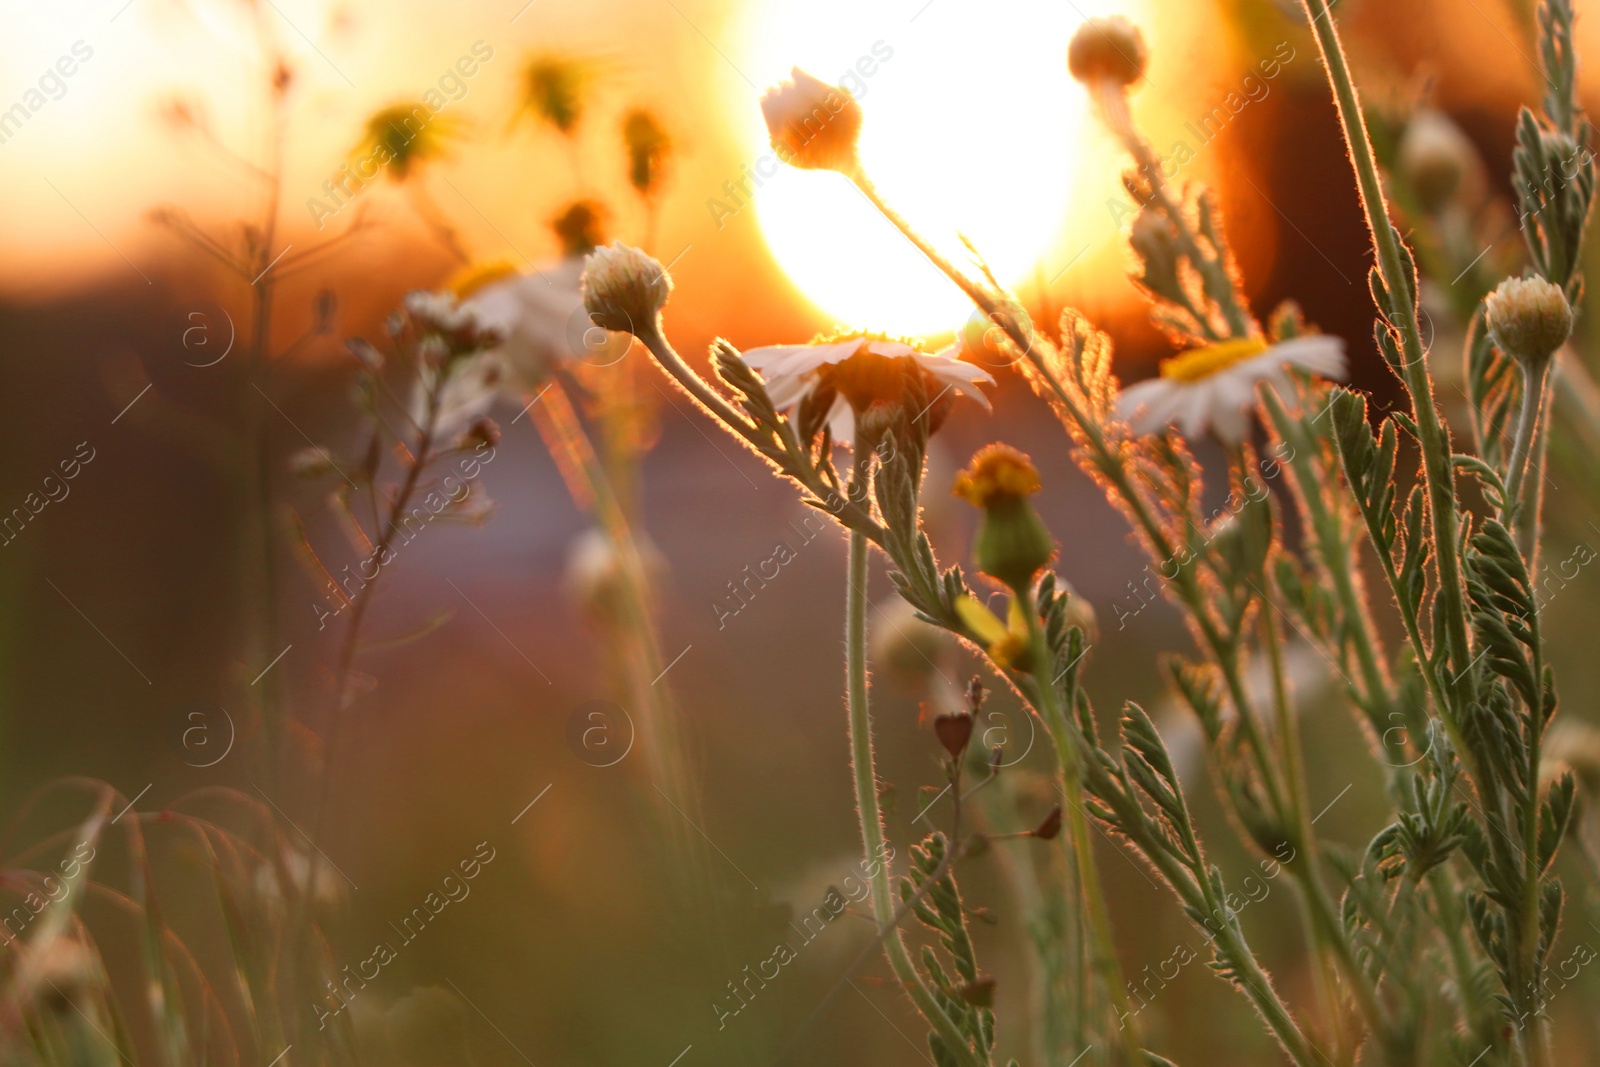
x: 580, y: 227
x: 1215, y: 386
x: 1529, y: 318
x: 1435, y: 157
x: 903, y: 645
x: 553, y: 89
x: 812, y: 125
x: 854, y: 372
x: 624, y: 289
x: 60, y: 971
x: 533, y: 313
x: 594, y: 579
x: 401, y: 137
x: 1012, y: 543
x: 648, y: 145
x: 1107, y: 50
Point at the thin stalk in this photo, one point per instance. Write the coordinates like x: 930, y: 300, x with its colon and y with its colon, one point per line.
x: 1102, y: 946
x: 1525, y: 474
x: 871, y: 816
x: 1438, y: 469
x: 1219, y: 284
x: 1294, y: 769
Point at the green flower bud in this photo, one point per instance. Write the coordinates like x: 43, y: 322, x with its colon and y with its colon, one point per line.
x: 1012, y: 544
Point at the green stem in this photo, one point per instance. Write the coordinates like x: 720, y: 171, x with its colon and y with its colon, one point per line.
x: 870, y: 814
x: 1438, y: 469
x: 1524, y: 475
x: 1102, y: 946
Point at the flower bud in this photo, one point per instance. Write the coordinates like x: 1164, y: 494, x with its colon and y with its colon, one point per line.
x: 812, y: 125
x: 954, y: 730
x: 1435, y: 156
x: 1107, y: 50
x: 1051, y: 826
x: 1012, y: 543
x: 1529, y: 318
x: 624, y: 289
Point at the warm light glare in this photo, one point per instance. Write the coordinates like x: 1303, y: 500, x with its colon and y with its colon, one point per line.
x: 973, y: 127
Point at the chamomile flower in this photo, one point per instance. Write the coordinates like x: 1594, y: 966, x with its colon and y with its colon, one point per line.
x: 852, y: 373
x: 1214, y: 387
x: 534, y: 311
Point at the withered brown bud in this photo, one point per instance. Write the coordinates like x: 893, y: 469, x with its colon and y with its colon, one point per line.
x: 1047, y: 830
x: 954, y: 730
x: 979, y: 992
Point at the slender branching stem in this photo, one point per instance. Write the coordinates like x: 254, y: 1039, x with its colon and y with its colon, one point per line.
x: 870, y: 814
x: 1102, y: 946
x: 1393, y: 268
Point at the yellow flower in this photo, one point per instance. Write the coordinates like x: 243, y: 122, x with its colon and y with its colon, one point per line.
x: 998, y: 472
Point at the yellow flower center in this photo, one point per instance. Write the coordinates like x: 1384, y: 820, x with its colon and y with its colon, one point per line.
x: 469, y: 280
x: 1198, y: 364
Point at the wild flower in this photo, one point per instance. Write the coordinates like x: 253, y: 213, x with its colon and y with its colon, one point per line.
x: 1214, y: 387
x: 840, y: 378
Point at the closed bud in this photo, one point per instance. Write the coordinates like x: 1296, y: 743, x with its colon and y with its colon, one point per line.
x: 905, y: 646
x: 812, y: 125
x: 1107, y: 50
x: 1050, y: 827
x: 954, y: 730
x: 979, y: 992
x: 1529, y: 318
x: 1435, y: 157
x: 624, y: 289
x: 1012, y: 544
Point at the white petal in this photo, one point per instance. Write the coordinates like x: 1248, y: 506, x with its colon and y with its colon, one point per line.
x: 786, y: 392
x: 1231, y: 423
x: 810, y: 357
x: 954, y: 370
x: 761, y: 358
x: 1140, y: 395
x: 890, y: 348
x: 1322, y: 354
x: 842, y: 422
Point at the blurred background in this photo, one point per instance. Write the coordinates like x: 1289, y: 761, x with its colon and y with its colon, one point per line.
x: 125, y: 647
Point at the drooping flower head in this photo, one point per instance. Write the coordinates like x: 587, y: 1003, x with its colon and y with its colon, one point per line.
x: 812, y: 125
x: 1214, y: 387
x: 839, y: 379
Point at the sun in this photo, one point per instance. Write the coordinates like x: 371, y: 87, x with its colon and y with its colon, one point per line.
x: 973, y: 128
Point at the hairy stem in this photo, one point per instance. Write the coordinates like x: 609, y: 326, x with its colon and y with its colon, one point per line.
x: 1438, y: 469
x: 870, y: 814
